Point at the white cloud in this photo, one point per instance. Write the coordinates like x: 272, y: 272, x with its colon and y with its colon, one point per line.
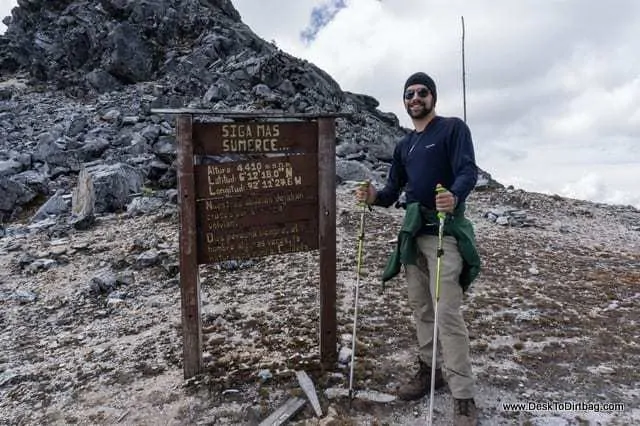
x: 553, y: 88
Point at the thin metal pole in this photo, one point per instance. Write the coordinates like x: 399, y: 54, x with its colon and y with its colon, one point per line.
x: 355, y: 302
x: 440, y: 253
x: 464, y: 77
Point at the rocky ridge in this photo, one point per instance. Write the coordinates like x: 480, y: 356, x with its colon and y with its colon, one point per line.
x: 75, y: 95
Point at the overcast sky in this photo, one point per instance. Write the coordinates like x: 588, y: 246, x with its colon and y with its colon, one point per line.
x: 553, y: 87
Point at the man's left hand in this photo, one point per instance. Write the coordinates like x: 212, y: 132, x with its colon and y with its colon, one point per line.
x: 445, y: 202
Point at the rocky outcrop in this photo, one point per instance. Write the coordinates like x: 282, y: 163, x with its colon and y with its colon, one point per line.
x: 64, y: 41
x: 80, y: 78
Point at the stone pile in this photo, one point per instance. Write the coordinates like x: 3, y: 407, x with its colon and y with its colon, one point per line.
x: 509, y: 217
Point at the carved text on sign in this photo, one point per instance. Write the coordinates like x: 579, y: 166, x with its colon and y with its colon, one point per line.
x: 258, y: 242
x: 229, y: 179
x: 252, y: 137
x: 255, y: 138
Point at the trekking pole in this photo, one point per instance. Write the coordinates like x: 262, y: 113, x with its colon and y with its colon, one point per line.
x: 439, y: 254
x: 355, y: 302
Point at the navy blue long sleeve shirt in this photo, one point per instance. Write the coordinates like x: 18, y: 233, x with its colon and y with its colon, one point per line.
x: 442, y: 153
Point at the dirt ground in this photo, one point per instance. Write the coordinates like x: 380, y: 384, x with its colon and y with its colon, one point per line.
x: 553, y: 318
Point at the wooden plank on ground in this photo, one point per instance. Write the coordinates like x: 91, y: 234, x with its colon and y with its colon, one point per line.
x: 310, y: 390
x: 285, y: 412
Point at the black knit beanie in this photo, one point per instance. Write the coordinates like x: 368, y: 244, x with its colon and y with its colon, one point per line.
x: 422, y: 78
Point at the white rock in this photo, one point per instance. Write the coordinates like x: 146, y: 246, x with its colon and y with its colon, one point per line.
x: 502, y: 220
x: 344, y: 357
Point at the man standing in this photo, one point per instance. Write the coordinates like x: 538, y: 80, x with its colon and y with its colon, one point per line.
x: 438, y: 151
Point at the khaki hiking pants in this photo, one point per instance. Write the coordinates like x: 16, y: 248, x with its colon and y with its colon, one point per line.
x: 453, y: 337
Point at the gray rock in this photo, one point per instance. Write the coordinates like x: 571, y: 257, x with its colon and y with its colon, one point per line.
x: 157, y: 169
x: 382, y: 149
x: 144, y: 205
x: 103, y: 282
x: 83, y: 202
x: 230, y: 265
x: 77, y: 126
x: 130, y: 58
x: 8, y: 377
x: 265, y: 374
x: 130, y: 120
x: 102, y: 81
x: 115, y: 298
x: 262, y: 90
x: 166, y: 148
x: 126, y: 278
x: 6, y: 93
x: 53, y: 151
x: 54, y: 206
x: 509, y: 217
x: 217, y: 92
x: 287, y: 88
x: 151, y: 133
x: 13, y: 194
x: 172, y: 196
x: 40, y: 265
x: 147, y: 259
x: 171, y: 267
x: 24, y: 296
x: 113, y: 115
x: 93, y: 149
x: 358, y: 156
x: 485, y: 181
x: 346, y: 149
x: 23, y: 158
x: 108, y: 186
x: 548, y: 421
x: 502, y: 220
x: 353, y: 171
x: 344, y: 356
x: 10, y: 167
x: 115, y: 8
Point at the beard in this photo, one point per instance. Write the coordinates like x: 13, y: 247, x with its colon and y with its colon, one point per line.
x: 421, y: 112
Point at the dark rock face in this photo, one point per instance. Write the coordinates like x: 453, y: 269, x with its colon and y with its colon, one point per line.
x: 130, y: 58
x: 66, y: 40
x: 78, y: 81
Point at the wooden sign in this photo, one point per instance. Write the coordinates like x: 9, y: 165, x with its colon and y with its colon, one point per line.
x: 257, y: 208
x: 255, y: 138
x: 279, y: 199
x: 263, y: 174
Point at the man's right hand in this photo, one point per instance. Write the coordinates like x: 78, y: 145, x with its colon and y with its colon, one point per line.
x: 366, y: 193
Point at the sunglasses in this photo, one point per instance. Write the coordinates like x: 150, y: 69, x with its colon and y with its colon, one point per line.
x: 422, y: 93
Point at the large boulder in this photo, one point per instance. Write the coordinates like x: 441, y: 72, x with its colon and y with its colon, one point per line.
x: 129, y: 56
x: 12, y: 195
x: 108, y: 187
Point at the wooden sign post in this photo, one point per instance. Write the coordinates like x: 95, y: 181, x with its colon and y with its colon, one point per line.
x: 279, y: 198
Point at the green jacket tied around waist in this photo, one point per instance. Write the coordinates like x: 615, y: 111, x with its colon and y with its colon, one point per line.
x: 456, y: 225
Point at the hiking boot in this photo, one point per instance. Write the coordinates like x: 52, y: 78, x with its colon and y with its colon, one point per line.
x: 465, y: 412
x: 420, y: 384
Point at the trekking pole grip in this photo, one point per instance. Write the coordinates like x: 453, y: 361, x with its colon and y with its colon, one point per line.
x: 439, y: 190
